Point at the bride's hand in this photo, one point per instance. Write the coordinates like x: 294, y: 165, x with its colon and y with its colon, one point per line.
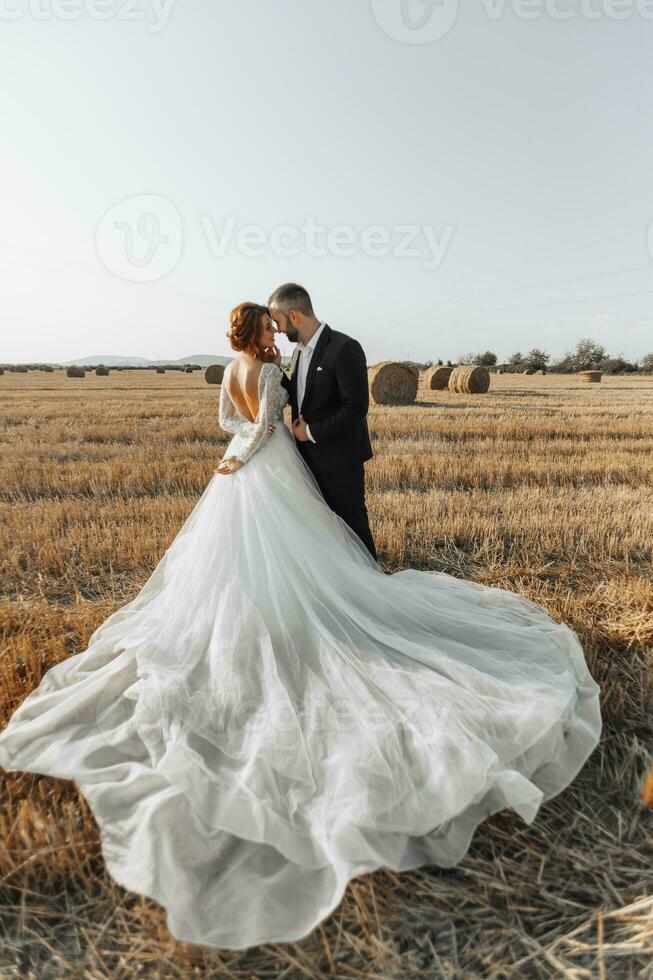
x: 273, y: 354
x: 229, y: 466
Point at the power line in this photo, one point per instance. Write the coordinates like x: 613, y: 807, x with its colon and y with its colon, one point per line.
x: 559, y: 282
x: 564, y: 302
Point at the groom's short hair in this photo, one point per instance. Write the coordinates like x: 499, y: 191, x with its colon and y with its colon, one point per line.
x: 290, y: 296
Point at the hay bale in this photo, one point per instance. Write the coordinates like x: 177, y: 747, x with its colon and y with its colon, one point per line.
x: 188, y: 370
x: 2, y: 370
x: 469, y: 379
x: 591, y: 376
x: 541, y: 371
x: 75, y: 372
x: 529, y: 371
x: 102, y: 371
x: 214, y: 374
x: 436, y: 378
x: 160, y: 370
x: 392, y: 383
x: 21, y: 368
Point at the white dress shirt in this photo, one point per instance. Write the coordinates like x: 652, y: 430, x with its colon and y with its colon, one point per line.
x: 306, y: 351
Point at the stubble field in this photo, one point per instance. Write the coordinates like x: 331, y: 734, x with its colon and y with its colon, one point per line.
x: 543, y: 486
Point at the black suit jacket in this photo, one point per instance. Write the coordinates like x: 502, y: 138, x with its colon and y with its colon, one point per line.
x: 336, y: 400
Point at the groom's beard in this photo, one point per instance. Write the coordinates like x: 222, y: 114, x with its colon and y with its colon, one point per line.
x: 292, y: 333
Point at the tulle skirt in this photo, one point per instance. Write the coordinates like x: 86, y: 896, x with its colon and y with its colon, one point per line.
x: 273, y: 715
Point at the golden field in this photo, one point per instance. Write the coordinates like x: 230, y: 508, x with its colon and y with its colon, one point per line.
x: 543, y: 486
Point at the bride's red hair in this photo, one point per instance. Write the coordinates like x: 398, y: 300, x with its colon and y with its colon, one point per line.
x: 246, y: 328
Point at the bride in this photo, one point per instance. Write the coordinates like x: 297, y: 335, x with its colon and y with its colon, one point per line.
x: 273, y: 715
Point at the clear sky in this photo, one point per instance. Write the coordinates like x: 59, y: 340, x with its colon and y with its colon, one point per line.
x: 442, y: 180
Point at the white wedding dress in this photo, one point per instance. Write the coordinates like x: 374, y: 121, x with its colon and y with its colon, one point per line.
x: 273, y: 715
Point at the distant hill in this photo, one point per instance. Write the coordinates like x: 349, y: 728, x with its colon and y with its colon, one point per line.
x: 110, y: 360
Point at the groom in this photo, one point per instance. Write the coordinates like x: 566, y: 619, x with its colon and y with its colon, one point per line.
x: 329, y: 398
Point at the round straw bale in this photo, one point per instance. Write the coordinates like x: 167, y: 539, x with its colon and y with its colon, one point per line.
x: 436, y: 378
x: 214, y: 373
x: 74, y: 371
x: 591, y: 376
x: 102, y: 371
x: 392, y: 383
x: 469, y: 379
x: 160, y: 370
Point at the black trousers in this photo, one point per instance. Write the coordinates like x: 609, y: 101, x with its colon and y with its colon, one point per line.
x: 344, y: 492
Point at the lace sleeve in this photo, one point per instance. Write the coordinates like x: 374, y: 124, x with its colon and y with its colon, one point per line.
x: 272, y: 399
x: 228, y: 418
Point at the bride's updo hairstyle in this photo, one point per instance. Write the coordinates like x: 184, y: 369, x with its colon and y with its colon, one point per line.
x: 246, y: 328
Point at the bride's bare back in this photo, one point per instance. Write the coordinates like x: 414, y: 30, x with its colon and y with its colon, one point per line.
x: 241, y: 378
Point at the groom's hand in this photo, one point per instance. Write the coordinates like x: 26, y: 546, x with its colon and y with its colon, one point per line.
x: 299, y: 429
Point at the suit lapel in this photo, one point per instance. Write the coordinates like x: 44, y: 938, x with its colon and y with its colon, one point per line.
x: 293, y: 364
x: 315, y: 360
x: 292, y: 372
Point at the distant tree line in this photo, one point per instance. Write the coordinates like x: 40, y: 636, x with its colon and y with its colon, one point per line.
x: 35, y: 366
x: 588, y: 355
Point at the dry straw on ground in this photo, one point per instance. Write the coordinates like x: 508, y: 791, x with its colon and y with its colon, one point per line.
x: 214, y: 374
x: 469, y: 379
x: 436, y: 378
x: 392, y: 383
x: 541, y: 487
